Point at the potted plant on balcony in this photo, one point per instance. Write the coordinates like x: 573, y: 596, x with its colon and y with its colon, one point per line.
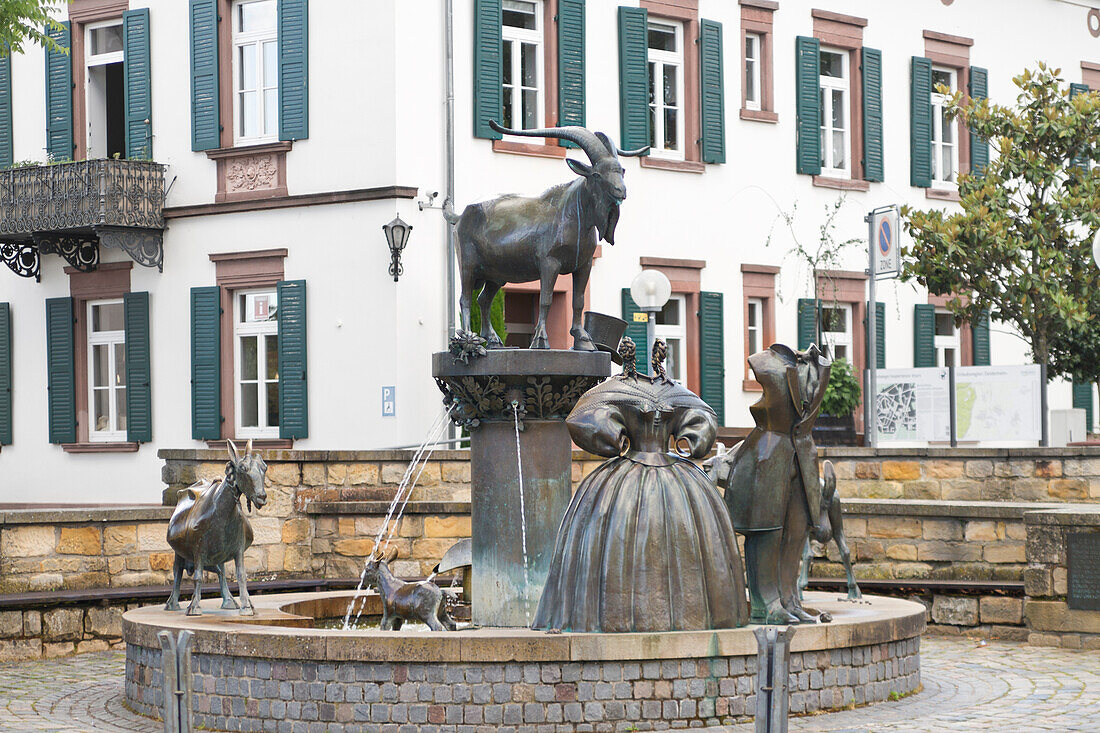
x: 836, y: 424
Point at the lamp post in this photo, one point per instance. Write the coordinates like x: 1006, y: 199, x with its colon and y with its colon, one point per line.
x: 650, y: 291
x: 397, y: 236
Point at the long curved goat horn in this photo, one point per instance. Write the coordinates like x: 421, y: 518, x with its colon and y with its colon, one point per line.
x: 633, y: 153
x: 584, y: 138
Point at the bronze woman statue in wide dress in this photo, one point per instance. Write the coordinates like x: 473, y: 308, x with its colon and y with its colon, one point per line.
x: 646, y: 543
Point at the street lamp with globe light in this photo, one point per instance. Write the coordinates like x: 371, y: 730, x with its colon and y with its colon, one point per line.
x: 650, y: 290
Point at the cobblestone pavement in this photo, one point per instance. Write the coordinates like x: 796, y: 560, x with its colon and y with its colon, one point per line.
x: 1006, y: 687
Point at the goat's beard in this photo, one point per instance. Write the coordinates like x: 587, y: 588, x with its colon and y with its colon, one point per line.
x: 248, y: 501
x: 607, y: 229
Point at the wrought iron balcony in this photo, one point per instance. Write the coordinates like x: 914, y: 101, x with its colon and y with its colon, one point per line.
x: 73, y: 209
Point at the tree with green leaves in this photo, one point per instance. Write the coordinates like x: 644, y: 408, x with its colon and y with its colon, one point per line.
x: 1019, y: 250
x: 26, y: 21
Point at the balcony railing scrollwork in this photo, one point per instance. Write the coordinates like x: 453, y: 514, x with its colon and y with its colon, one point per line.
x: 72, y: 209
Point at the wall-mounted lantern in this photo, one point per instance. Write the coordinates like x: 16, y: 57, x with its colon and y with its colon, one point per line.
x: 397, y: 236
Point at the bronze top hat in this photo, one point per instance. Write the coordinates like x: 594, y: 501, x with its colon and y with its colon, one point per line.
x: 606, y: 332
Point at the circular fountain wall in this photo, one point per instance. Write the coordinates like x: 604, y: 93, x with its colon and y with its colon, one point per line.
x: 275, y: 666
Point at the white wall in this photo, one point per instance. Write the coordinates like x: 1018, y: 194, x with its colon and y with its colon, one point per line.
x: 377, y: 119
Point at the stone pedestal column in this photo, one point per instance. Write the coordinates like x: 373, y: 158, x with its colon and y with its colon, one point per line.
x: 543, y: 386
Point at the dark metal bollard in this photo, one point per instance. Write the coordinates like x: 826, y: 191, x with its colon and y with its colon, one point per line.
x: 773, y: 660
x: 176, y: 661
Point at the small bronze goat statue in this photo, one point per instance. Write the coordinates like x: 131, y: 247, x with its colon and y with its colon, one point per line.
x: 209, y: 528
x: 831, y: 527
x: 403, y: 601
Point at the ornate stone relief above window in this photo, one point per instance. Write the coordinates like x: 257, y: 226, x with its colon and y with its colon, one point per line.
x: 252, y: 172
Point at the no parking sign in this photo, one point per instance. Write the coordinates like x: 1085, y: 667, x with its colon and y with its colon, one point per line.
x: 885, y: 246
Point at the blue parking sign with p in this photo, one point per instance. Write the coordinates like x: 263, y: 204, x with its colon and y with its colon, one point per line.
x: 389, y: 402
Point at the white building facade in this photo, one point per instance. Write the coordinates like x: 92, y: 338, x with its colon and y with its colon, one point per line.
x: 291, y: 131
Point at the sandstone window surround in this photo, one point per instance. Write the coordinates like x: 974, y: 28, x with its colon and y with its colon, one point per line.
x: 848, y: 289
x: 952, y: 54
x: 684, y: 16
x: 1090, y: 74
x: 758, y: 289
x: 685, y: 277
x: 237, y: 273
x: 843, y: 34
x: 546, y: 80
x: 963, y: 332
x: 757, y: 67
x: 83, y: 16
x: 109, y: 282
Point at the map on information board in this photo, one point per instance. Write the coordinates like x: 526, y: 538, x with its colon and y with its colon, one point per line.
x: 998, y: 403
x: 912, y: 405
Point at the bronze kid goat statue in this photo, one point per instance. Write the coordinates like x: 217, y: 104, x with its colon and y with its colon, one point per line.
x: 208, y: 528
x: 403, y: 601
x: 516, y: 239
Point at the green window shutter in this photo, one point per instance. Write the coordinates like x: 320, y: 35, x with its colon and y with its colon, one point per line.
x: 924, y: 335
x: 1081, y: 161
x: 880, y: 335
x: 139, y: 396
x: 293, y: 392
x: 1082, y: 400
x: 920, y: 123
x: 979, y: 340
x: 6, y: 155
x: 137, y: 85
x: 205, y: 112
x: 979, y: 147
x: 712, y: 353
x: 59, y: 97
x: 807, y: 322
x: 60, y: 370
x: 636, y: 330
x: 571, y: 45
x: 871, y: 64
x: 206, y: 363
x: 808, y: 104
x: 633, y: 78
x: 293, y: 30
x: 712, y: 92
x: 488, y: 78
x: 5, y: 374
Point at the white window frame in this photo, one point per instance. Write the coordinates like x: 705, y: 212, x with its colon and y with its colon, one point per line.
x: 91, y: 62
x: 943, y: 343
x: 260, y: 330
x: 659, y: 60
x: 114, y: 57
x: 752, y: 74
x: 754, y: 331
x: 839, y: 338
x: 257, y: 39
x: 518, y: 38
x: 827, y: 85
x: 665, y: 332
x: 939, y: 101
x: 110, y: 339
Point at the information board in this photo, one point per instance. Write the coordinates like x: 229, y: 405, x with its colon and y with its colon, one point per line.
x: 998, y: 403
x: 913, y: 405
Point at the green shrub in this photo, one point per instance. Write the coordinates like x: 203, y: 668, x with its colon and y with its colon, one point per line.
x: 843, y: 391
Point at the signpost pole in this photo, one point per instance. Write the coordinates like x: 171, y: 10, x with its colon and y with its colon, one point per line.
x: 872, y: 358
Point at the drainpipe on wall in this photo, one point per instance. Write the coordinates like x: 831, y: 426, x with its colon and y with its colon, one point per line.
x: 449, y: 200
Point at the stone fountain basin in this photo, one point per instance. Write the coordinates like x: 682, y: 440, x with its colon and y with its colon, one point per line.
x: 275, y: 666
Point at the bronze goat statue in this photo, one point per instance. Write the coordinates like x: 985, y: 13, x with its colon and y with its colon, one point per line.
x: 516, y: 239
x: 831, y: 527
x: 208, y: 528
x: 401, y: 601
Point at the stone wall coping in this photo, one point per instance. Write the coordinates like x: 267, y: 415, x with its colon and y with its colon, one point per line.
x: 1074, y: 514
x: 313, y: 456
x: 87, y: 515
x: 1015, y: 454
x: 948, y: 509
x: 382, y: 507
x: 880, y: 620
